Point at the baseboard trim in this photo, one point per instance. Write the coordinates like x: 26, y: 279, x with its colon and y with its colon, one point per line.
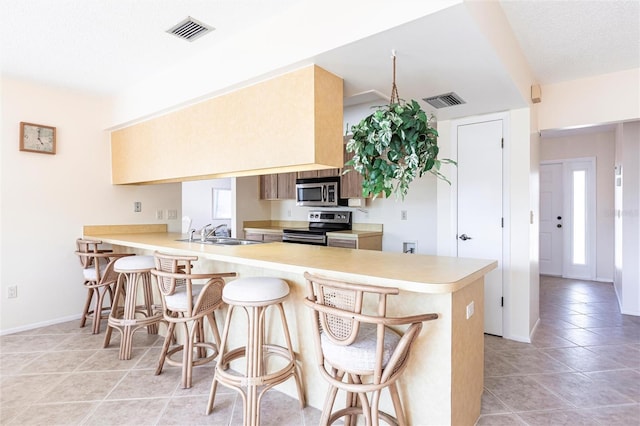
x: 523, y: 339
x: 39, y: 324
x: 533, y: 330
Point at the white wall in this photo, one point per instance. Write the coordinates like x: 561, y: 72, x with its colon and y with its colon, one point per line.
x: 534, y: 225
x: 520, y: 283
x: 628, y: 219
x: 600, y: 145
x: 608, y: 98
x: 46, y: 199
x: 617, y: 222
x: 197, y: 201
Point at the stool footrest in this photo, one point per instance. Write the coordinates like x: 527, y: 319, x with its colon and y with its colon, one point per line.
x: 272, y: 379
x: 196, y: 361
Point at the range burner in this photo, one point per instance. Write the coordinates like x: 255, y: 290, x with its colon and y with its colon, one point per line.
x: 320, y: 222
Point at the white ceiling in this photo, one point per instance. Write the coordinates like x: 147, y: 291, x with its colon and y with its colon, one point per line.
x: 106, y: 46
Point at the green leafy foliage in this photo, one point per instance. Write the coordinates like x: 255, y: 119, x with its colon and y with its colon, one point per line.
x: 393, y: 146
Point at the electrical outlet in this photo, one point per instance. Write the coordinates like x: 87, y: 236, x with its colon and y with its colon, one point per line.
x: 159, y: 214
x: 13, y: 292
x: 172, y: 214
x: 470, y: 310
x: 137, y: 207
x: 403, y: 215
x: 288, y: 212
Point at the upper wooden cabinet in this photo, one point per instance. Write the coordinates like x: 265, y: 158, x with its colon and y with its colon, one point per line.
x: 269, y: 187
x: 319, y: 173
x: 351, y: 182
x: 282, y: 186
x: 288, y: 123
x: 287, y: 186
x: 278, y: 186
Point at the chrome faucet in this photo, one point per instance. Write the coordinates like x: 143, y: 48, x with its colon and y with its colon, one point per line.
x: 204, y: 232
x: 214, y: 230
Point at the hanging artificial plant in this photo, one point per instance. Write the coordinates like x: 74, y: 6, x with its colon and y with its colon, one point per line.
x: 393, y: 146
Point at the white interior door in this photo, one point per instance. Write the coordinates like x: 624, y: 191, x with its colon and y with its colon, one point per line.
x: 480, y: 216
x: 551, y: 219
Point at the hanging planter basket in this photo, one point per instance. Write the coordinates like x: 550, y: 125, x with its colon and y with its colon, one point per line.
x: 393, y: 146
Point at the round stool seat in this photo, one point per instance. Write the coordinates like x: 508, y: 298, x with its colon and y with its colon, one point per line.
x: 134, y: 263
x: 255, y: 290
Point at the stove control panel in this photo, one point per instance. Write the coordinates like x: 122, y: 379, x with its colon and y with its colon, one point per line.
x: 325, y: 216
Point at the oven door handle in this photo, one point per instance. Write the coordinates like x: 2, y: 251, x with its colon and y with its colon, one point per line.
x: 304, y: 237
x: 324, y: 193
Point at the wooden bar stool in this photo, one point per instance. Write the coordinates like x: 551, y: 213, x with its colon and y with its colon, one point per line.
x: 186, y: 304
x: 99, y: 279
x: 357, y: 350
x: 135, y: 271
x: 254, y: 295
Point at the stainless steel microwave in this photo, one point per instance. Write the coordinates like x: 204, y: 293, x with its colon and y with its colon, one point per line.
x: 318, y: 192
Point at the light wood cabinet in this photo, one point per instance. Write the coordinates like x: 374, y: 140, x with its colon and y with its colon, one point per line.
x: 271, y: 237
x: 342, y: 242
x: 362, y: 242
x: 180, y: 145
x: 278, y: 186
x: 265, y: 237
x: 253, y: 236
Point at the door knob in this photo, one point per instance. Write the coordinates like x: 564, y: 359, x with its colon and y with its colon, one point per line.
x: 559, y: 225
x: 464, y: 237
x: 559, y: 217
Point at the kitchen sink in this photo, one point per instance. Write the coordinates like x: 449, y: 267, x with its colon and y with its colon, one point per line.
x: 222, y: 241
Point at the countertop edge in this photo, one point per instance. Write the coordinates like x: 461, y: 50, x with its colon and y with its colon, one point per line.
x: 243, y: 255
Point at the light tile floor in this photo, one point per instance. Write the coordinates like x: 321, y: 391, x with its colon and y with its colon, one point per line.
x: 60, y: 375
x: 583, y: 368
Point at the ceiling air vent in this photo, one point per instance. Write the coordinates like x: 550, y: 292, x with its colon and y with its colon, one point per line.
x: 190, y: 29
x: 445, y: 100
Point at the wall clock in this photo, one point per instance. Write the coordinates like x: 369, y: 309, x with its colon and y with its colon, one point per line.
x: 37, y: 138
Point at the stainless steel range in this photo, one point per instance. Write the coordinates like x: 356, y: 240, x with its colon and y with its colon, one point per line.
x: 320, y: 222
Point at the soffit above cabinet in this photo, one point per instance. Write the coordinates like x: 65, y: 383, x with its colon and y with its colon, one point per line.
x: 289, y: 123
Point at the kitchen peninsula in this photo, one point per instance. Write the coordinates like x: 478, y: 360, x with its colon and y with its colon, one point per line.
x: 443, y: 382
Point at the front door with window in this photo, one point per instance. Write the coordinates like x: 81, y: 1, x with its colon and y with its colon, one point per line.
x: 567, y: 218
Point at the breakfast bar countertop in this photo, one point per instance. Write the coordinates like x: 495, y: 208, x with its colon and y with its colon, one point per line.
x: 415, y: 273
x: 443, y: 384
